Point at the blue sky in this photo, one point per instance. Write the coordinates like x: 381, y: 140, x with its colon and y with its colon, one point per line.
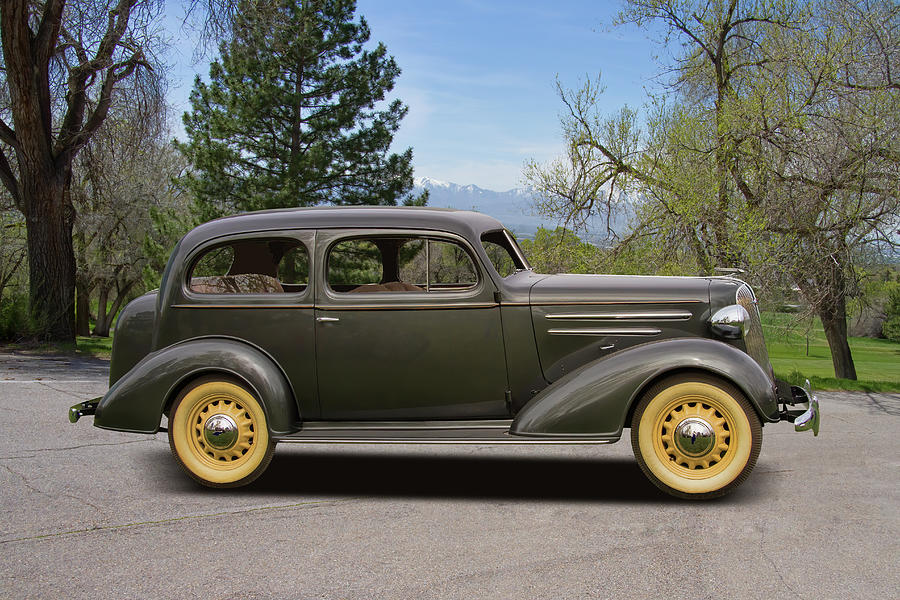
x: 479, y: 78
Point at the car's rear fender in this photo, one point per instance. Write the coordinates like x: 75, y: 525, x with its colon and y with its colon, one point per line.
x: 137, y: 400
x: 595, y: 400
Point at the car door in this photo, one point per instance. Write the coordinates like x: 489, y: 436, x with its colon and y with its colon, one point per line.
x: 407, y: 327
x: 252, y: 287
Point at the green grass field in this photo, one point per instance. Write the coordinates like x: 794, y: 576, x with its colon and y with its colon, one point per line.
x: 799, y: 350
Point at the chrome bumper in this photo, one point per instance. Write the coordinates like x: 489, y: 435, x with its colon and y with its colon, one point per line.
x: 83, y: 409
x: 803, y: 420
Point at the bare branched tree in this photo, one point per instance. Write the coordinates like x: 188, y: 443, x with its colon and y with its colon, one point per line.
x: 121, y: 179
x: 63, y: 64
x: 776, y: 148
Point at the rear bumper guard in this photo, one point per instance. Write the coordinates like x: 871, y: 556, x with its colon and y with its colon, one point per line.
x: 805, y: 418
x: 83, y: 409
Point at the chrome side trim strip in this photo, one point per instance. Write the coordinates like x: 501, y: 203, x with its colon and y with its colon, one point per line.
x: 447, y: 306
x: 503, y: 424
x: 436, y: 306
x: 286, y: 305
x: 607, y: 331
x: 618, y: 302
x: 467, y: 441
x: 681, y: 315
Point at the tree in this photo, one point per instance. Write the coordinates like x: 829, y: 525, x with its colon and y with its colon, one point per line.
x: 779, y: 151
x: 122, y: 182
x: 12, y: 246
x: 891, y: 327
x: 561, y: 251
x: 831, y: 158
x: 62, y: 62
x: 289, y: 117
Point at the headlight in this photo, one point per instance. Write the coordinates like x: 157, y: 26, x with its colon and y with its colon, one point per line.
x: 730, y: 322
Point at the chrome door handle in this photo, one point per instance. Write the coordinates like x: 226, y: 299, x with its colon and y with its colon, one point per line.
x: 327, y: 319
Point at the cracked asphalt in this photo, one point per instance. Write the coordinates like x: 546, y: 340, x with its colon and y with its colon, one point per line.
x: 88, y: 513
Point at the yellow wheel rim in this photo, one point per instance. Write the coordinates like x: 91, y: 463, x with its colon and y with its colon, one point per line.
x: 200, y: 452
x: 234, y: 454
x: 719, y: 413
x: 691, y: 465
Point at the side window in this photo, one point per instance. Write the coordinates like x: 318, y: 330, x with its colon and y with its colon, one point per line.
x: 354, y: 263
x: 500, y: 258
x: 499, y: 247
x: 213, y: 263
x: 437, y: 265
x: 399, y: 264
x: 257, y: 266
x: 293, y: 269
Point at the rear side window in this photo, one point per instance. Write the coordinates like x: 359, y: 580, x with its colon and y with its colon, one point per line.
x: 257, y: 266
x: 399, y: 264
x: 353, y: 263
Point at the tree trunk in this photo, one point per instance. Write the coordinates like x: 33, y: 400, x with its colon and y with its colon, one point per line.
x: 834, y: 320
x: 82, y: 309
x: 51, y: 262
x: 104, y: 325
x: 102, y: 305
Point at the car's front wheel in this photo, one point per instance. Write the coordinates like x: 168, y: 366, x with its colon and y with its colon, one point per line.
x: 695, y: 436
x: 218, y: 433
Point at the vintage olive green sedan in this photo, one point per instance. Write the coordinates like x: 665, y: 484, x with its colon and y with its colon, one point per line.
x: 397, y: 325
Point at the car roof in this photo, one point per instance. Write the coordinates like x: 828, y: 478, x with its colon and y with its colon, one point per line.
x: 468, y: 224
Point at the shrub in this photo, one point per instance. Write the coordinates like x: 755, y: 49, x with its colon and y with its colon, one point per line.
x: 891, y: 326
x: 15, y: 324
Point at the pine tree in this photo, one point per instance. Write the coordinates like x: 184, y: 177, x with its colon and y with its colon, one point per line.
x: 289, y: 117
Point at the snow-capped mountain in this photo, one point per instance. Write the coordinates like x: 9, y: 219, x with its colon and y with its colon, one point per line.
x: 514, y: 208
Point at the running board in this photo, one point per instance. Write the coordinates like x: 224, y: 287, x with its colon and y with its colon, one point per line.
x: 424, y: 432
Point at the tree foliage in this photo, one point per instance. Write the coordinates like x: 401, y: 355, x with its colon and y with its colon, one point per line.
x: 66, y: 65
x: 776, y: 148
x: 291, y: 114
x: 128, y: 210
x: 561, y: 251
x: 891, y: 326
x: 62, y: 62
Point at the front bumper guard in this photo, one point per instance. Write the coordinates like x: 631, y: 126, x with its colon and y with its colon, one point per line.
x: 83, y: 409
x: 803, y: 420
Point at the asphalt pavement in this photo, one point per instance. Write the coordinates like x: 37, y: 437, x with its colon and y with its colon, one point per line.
x: 88, y: 513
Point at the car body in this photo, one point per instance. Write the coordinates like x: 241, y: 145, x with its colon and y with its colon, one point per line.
x: 402, y: 324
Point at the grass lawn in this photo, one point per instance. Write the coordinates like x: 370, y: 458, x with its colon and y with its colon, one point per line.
x: 877, y: 361
x: 84, y: 346
x: 94, y: 346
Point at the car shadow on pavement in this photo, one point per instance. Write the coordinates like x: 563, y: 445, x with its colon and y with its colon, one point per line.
x: 463, y: 478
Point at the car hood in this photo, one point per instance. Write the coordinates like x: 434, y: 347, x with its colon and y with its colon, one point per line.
x: 628, y: 289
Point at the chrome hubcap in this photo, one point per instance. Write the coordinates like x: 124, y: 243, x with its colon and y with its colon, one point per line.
x: 220, y: 432
x: 694, y: 437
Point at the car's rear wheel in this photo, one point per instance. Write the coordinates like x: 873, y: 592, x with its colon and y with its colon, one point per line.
x: 218, y: 433
x: 695, y: 436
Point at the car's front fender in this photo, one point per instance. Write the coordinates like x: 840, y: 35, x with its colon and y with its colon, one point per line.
x: 136, y: 402
x: 594, y: 400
